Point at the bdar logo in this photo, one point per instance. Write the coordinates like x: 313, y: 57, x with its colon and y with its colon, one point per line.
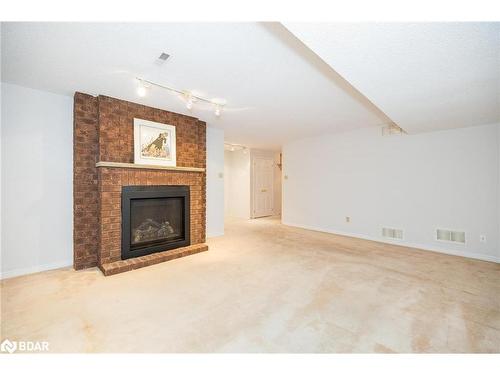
x: 8, y: 346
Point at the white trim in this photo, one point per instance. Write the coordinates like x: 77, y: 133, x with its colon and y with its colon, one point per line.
x: 34, y: 269
x: 464, y: 254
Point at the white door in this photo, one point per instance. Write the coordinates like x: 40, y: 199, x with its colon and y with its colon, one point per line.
x: 263, y: 183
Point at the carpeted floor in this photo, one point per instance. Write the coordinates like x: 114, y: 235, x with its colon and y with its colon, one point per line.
x: 265, y: 287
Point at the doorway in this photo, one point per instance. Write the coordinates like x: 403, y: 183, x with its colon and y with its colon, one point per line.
x: 262, y: 186
x: 252, y: 185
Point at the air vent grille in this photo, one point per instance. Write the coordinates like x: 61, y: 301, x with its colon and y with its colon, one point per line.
x: 392, y: 233
x: 392, y: 129
x: 450, y: 236
x: 164, y: 56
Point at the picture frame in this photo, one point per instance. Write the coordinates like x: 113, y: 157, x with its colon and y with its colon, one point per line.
x: 154, y: 143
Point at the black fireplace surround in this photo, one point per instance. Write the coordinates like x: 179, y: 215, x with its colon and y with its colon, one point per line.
x: 154, y: 218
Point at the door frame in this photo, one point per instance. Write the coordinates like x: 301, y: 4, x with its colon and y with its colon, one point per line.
x: 253, y: 158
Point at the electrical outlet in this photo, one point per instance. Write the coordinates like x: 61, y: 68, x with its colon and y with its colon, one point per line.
x: 286, y: 177
x: 482, y: 238
x: 347, y: 219
x: 221, y: 175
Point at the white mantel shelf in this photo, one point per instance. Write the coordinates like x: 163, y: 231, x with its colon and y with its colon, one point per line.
x: 112, y: 164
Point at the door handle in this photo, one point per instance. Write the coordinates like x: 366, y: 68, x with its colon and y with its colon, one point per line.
x: 263, y: 190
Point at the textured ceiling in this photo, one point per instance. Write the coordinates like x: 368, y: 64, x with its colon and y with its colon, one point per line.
x: 424, y: 76
x: 277, y: 90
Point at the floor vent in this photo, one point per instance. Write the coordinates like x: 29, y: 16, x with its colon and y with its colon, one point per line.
x: 450, y: 236
x: 392, y: 233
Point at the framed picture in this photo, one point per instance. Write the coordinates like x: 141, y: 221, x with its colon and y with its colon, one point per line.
x: 154, y: 143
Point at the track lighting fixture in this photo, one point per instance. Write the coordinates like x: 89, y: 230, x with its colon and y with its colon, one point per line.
x: 188, y: 96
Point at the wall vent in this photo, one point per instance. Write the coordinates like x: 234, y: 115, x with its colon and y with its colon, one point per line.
x: 164, y: 56
x: 392, y: 233
x: 450, y: 236
x: 392, y: 129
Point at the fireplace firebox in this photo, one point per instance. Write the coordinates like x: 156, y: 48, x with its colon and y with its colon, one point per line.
x: 154, y: 218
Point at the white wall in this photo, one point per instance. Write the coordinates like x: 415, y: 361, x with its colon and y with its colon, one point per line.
x: 237, y: 183
x: 227, y: 181
x: 215, y: 182
x: 498, y: 201
x: 1, y: 170
x: 277, y: 185
x: 37, y: 180
x: 447, y: 179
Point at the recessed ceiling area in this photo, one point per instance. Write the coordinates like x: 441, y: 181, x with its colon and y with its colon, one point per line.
x: 276, y: 89
x: 424, y: 76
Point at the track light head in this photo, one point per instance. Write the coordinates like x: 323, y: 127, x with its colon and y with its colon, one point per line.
x: 217, y: 110
x: 189, y: 101
x: 142, y: 89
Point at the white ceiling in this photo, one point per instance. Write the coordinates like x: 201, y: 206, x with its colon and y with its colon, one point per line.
x: 277, y: 90
x: 424, y: 76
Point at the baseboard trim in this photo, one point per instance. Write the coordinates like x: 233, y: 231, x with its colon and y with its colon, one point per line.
x: 215, y: 234
x: 35, y: 269
x: 464, y: 254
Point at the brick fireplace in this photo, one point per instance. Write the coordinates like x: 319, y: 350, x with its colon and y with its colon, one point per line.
x: 103, y: 168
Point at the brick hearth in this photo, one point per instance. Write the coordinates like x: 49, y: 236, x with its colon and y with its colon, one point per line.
x: 148, y: 260
x: 103, y: 132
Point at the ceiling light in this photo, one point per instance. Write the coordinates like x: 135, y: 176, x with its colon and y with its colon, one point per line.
x: 141, y: 89
x: 189, y: 102
x: 217, y: 110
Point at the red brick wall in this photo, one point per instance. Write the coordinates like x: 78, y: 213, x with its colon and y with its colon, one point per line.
x: 85, y: 192
x: 113, y: 123
x: 112, y: 179
x: 116, y: 133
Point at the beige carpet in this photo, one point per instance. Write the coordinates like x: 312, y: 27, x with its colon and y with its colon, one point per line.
x: 265, y: 287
